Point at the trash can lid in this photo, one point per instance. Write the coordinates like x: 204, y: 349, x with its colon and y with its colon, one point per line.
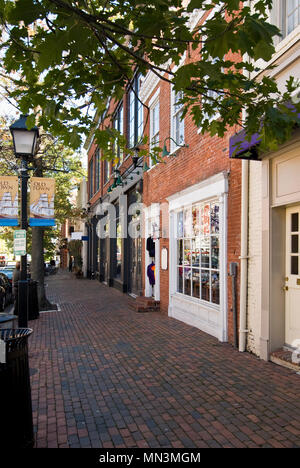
x: 14, y: 334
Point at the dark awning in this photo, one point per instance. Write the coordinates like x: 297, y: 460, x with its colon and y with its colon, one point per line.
x: 241, y: 147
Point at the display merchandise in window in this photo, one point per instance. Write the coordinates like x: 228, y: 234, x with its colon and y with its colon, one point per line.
x: 198, y: 251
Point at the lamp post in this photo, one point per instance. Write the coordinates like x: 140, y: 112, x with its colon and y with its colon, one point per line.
x: 25, y: 146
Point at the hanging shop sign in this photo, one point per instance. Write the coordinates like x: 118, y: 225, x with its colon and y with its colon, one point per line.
x: 42, y: 192
x: 9, y: 201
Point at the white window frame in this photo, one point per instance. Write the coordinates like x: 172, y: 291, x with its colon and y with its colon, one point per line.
x: 152, y: 227
x: 118, y: 124
x: 154, y: 109
x: 187, y: 237
x: 278, y: 16
x: 177, y: 125
x: 210, y: 318
x: 135, y: 109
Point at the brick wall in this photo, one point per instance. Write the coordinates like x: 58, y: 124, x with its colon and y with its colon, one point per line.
x: 204, y: 157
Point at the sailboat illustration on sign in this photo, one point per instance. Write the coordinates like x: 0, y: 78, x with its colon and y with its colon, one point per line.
x: 43, y: 208
x: 8, y: 207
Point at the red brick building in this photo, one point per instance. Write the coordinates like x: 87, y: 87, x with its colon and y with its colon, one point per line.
x: 189, y: 226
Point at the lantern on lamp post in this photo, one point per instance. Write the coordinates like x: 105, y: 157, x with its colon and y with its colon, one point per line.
x: 25, y: 146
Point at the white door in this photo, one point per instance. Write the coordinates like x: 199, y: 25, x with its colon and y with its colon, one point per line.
x: 292, y: 280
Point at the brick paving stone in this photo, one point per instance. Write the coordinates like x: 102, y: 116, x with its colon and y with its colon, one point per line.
x: 105, y: 376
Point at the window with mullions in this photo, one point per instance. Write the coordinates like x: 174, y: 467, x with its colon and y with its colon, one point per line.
x: 118, y: 124
x: 291, y: 15
x: 177, y: 123
x: 97, y: 171
x: 91, y: 178
x: 286, y: 15
x: 154, y: 127
x: 198, y: 247
x: 106, y: 170
x: 135, y: 113
x: 117, y: 246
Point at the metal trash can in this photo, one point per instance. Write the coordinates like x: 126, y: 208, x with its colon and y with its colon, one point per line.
x: 33, y: 303
x: 16, y: 406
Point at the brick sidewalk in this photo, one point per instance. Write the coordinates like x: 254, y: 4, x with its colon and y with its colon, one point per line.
x: 105, y: 376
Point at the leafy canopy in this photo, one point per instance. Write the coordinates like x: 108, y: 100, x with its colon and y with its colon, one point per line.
x: 66, y: 58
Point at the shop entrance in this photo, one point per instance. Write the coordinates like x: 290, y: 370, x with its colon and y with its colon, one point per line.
x: 292, y: 278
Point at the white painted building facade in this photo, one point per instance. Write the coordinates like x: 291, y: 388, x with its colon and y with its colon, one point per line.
x: 273, y: 245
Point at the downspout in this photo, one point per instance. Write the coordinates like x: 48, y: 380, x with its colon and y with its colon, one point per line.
x: 244, y: 249
x: 244, y: 256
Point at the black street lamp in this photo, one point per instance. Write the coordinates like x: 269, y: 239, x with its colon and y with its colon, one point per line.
x: 25, y: 146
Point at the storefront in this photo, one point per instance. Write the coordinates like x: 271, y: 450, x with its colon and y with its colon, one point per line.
x: 280, y: 294
x: 115, y: 240
x: 198, y: 256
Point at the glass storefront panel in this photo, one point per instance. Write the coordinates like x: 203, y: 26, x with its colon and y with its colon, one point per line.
x: 187, y: 257
x: 198, y: 251
x: 205, y: 285
x: 204, y: 227
x: 180, y: 252
x: 195, y: 220
x: 214, y: 218
x: 180, y: 225
x: 215, y: 251
x: 205, y: 252
x: 196, y: 283
x: 180, y: 279
x: 187, y: 275
x: 215, y: 287
x: 187, y: 222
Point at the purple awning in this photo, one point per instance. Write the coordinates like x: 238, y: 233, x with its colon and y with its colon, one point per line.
x: 239, y: 145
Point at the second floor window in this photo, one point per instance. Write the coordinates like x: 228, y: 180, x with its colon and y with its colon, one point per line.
x: 286, y: 15
x: 177, y: 123
x: 119, y: 125
x: 135, y: 113
x: 291, y: 16
x: 154, y: 124
x: 154, y: 127
x: 97, y: 171
x: 106, y: 170
x: 91, y: 178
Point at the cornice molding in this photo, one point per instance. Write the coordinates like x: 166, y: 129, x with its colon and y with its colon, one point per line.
x: 150, y: 82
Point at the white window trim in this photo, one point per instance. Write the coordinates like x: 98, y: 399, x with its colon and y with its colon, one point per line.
x: 281, y: 47
x: 216, y: 187
x: 173, y: 146
x: 152, y: 213
x: 152, y: 104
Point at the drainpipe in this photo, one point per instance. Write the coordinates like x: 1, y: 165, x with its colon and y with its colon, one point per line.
x: 233, y: 273
x: 244, y: 256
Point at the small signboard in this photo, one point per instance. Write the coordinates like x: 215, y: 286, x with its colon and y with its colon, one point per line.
x: 164, y: 258
x: 20, y: 242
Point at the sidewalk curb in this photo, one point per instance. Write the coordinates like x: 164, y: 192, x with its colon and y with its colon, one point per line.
x: 52, y: 310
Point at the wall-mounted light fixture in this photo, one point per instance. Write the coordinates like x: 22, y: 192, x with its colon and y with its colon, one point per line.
x: 165, y: 152
x: 135, y: 160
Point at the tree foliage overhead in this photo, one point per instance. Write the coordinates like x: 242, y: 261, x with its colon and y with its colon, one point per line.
x: 67, y: 57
